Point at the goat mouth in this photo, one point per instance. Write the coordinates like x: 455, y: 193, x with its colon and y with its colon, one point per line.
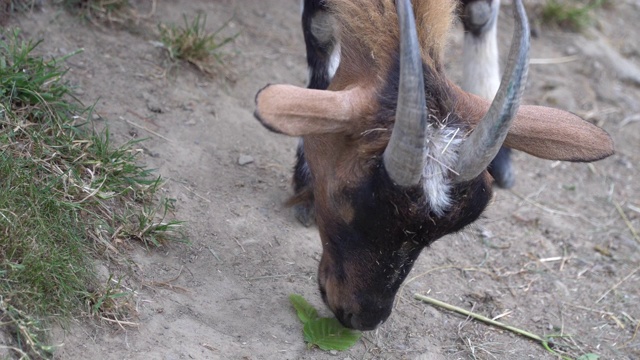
x: 352, y: 321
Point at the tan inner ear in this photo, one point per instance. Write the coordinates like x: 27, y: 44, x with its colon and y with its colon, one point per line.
x: 543, y: 132
x: 297, y: 111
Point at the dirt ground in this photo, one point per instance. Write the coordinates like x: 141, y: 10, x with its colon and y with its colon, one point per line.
x: 553, y: 256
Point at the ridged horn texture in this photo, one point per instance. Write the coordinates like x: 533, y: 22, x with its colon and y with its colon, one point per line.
x: 476, y: 153
x: 405, y: 154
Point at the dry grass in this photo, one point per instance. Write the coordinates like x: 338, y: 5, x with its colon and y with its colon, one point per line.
x: 110, y: 12
x: 569, y: 14
x: 194, y: 44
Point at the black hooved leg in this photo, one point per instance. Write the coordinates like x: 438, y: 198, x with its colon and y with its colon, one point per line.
x: 502, y: 170
x: 302, y: 200
x: 322, y: 59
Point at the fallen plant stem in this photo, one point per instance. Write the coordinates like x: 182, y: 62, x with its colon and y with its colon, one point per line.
x: 617, y: 284
x: 626, y: 221
x: 543, y: 207
x: 482, y: 318
x: 557, y: 60
x: 635, y: 333
x: 601, y: 312
x: 545, y: 343
x: 147, y: 130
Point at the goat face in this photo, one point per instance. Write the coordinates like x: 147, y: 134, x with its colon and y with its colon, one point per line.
x: 373, y: 231
x: 396, y: 155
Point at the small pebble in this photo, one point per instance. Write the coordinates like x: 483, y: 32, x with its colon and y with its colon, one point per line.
x: 154, y: 106
x: 245, y: 159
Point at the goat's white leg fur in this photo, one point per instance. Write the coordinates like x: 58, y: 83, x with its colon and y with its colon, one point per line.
x: 481, y: 71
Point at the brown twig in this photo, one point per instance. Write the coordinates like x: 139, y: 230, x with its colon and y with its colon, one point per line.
x: 147, y: 130
x: 626, y: 221
x: 479, y: 317
x: 617, y: 284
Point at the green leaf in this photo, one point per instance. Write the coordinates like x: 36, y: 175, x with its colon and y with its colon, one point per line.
x: 329, y: 334
x: 589, y: 357
x: 306, y: 312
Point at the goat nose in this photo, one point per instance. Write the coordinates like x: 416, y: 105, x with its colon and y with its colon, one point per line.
x: 357, y: 321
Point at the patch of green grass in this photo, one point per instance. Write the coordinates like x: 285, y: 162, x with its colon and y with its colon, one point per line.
x: 11, y: 6
x: 571, y: 15
x: 66, y: 195
x: 192, y: 43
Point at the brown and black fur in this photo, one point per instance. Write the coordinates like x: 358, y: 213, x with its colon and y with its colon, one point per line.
x: 373, y: 230
x: 390, y: 225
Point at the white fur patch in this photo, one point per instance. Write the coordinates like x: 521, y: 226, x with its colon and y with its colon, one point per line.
x: 481, y: 68
x: 442, y: 155
x: 335, y: 61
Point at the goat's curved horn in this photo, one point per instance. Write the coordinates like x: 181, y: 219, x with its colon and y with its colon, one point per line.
x: 484, y: 142
x: 404, y: 156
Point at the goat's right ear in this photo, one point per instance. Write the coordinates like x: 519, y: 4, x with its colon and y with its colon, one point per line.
x: 297, y: 111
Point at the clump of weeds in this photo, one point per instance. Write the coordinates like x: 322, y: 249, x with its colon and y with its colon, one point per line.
x: 570, y: 15
x: 68, y: 196
x: 194, y: 44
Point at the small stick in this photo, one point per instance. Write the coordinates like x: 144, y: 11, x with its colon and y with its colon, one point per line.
x: 23, y: 355
x: 540, y: 206
x: 617, y: 284
x: 508, y: 312
x: 214, y: 254
x: 626, y: 221
x: 241, y: 247
x: 602, y: 312
x: 147, y: 129
x: 479, y: 317
x: 557, y: 60
x: 272, y: 276
x: 167, y: 283
x: 209, y: 347
x: 635, y: 333
x: 120, y: 322
x: 195, y: 193
x: 419, y: 276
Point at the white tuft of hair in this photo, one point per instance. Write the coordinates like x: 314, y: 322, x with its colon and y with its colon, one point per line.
x: 442, y: 154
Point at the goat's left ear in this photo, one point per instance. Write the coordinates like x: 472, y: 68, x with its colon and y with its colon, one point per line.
x: 297, y: 111
x: 544, y: 132
x: 555, y: 134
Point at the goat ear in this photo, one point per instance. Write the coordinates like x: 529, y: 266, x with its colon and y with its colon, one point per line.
x: 557, y: 135
x: 297, y: 111
x: 544, y: 132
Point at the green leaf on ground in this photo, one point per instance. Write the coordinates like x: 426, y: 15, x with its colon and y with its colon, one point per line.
x: 305, y: 311
x: 329, y: 334
x: 325, y: 333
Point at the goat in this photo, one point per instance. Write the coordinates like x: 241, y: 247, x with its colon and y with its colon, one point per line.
x: 394, y: 155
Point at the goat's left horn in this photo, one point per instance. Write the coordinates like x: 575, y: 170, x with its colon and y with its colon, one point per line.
x: 477, y: 152
x: 405, y: 154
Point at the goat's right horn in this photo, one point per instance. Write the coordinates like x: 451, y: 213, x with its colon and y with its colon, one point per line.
x: 479, y: 149
x: 405, y: 154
